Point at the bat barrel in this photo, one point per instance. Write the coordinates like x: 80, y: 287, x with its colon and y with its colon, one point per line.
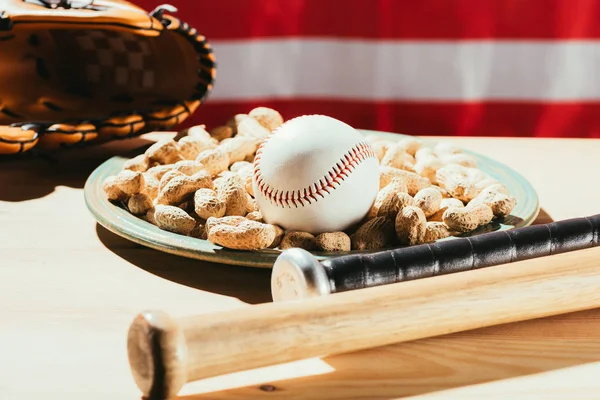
x: 297, y: 274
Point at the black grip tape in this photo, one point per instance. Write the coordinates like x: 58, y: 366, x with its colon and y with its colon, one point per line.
x: 461, y: 254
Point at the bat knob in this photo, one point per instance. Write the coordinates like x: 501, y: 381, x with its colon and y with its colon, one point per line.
x: 297, y: 274
x: 157, y: 355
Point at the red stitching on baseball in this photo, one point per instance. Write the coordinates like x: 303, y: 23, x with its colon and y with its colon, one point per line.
x: 334, y: 177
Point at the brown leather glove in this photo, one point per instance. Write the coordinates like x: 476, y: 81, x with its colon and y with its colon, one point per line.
x: 77, y: 71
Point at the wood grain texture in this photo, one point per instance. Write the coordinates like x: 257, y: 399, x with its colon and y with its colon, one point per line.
x: 237, y: 340
x: 69, y: 290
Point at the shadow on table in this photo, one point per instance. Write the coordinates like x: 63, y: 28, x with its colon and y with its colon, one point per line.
x: 250, y: 285
x: 31, y: 176
x: 543, y: 218
x: 425, y: 366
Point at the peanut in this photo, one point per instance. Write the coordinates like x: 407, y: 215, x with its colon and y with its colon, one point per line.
x: 139, y: 204
x: 221, y: 132
x: 397, y: 157
x: 445, y: 148
x: 138, y: 163
x: 428, y: 166
x: 233, y: 194
x: 191, y: 146
x: 225, y: 174
x: 166, y: 178
x: 267, y: 117
x: 333, y: 241
x: 112, y: 191
x: 173, y: 219
x: 487, y: 182
x: 218, y: 183
x: 130, y: 182
x: 459, y: 181
x: 252, y: 128
x: 469, y: 218
x: 158, y: 171
x: 424, y: 153
x: 465, y: 160
x: 163, y: 152
x: 246, y: 174
x: 243, y: 235
x: 387, y: 195
x: 410, y: 225
x: 252, y: 204
x: 435, y: 231
x: 198, y: 132
x: 444, y: 205
x: 375, y: 234
x: 207, y: 204
x: 497, y: 198
x: 303, y: 240
x: 391, y: 206
x: 410, y: 145
x: 239, y: 147
x: 150, y: 217
x: 380, y: 148
x: 233, y: 221
x: 414, y: 182
x: 233, y: 122
x: 188, y: 167
x: 236, y: 166
x: 214, y: 160
x: 181, y: 188
x: 228, y: 179
x: 428, y: 200
x: 279, y: 234
x: 442, y: 191
x: 497, y: 187
x: 151, y: 185
x: 255, y: 216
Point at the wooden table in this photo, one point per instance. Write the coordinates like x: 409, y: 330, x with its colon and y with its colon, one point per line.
x: 69, y: 290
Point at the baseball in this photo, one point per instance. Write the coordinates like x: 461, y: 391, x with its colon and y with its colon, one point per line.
x: 315, y: 174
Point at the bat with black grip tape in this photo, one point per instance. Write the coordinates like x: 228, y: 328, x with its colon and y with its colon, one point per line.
x: 298, y: 274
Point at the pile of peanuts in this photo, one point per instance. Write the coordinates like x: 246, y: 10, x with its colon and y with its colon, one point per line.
x: 199, y: 184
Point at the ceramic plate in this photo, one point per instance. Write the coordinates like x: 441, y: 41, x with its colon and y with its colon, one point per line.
x: 121, y: 222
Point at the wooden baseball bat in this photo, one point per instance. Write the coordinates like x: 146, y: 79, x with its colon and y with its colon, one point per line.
x: 165, y: 353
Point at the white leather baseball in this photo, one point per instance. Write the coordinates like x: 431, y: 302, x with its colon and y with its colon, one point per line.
x: 315, y: 174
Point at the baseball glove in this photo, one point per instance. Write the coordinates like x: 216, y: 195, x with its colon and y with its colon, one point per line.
x: 80, y: 71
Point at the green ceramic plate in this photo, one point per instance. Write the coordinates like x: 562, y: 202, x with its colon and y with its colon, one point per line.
x: 121, y: 222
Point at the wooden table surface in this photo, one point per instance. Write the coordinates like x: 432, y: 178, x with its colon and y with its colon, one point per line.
x: 69, y: 290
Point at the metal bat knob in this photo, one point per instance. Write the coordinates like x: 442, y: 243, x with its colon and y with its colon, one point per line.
x: 298, y: 274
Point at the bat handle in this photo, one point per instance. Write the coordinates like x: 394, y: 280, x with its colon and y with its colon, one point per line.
x: 298, y: 274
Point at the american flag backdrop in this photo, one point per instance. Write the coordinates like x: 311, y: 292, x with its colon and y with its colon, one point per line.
x: 423, y: 67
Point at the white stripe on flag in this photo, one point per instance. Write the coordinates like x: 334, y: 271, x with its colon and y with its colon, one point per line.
x: 394, y: 70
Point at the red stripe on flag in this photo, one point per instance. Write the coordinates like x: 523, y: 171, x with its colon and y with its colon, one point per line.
x: 390, y: 19
x: 425, y: 119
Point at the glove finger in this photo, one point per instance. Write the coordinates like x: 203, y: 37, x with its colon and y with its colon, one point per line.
x: 16, y: 139
x: 121, y: 127
x: 170, y: 116
x: 63, y: 135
